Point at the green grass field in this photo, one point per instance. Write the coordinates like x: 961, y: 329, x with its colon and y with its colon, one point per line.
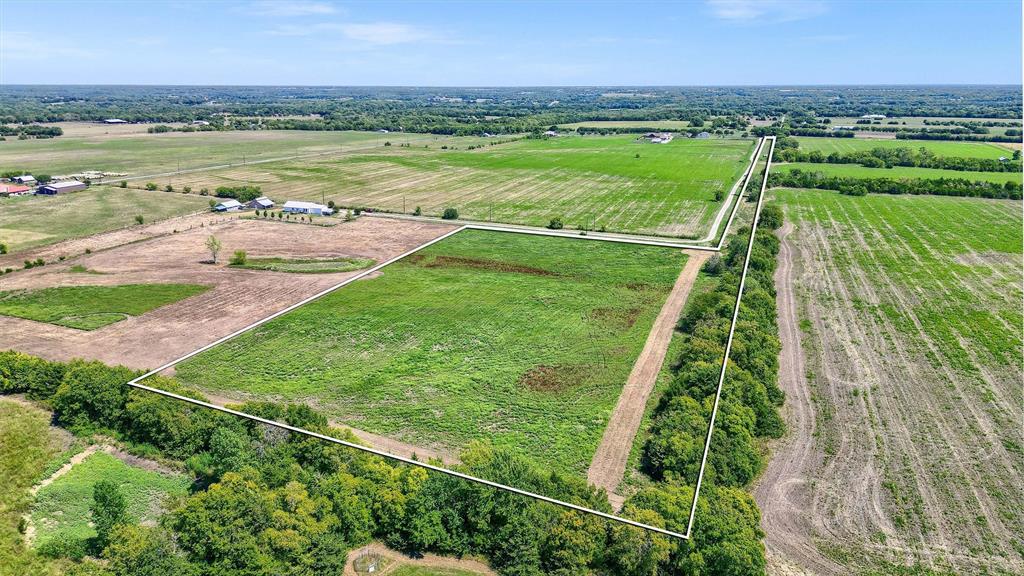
x: 92, y: 307
x: 407, y: 570
x: 858, y: 171
x: 306, y: 265
x: 28, y: 445
x: 30, y: 221
x: 659, y: 124
x: 61, y: 509
x: 524, y: 341
x: 939, y: 147
x: 142, y: 154
x: 592, y: 181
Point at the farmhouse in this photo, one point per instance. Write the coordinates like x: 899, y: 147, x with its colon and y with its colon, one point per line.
x: 200, y: 123
x: 13, y: 190
x: 228, y: 206
x: 115, y: 121
x: 299, y: 207
x: 551, y: 133
x: 55, y: 188
x: 703, y: 135
x: 261, y: 203
x: 25, y: 179
x: 873, y: 116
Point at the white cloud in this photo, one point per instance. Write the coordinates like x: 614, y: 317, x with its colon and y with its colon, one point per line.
x: 766, y: 11
x: 284, y: 8
x: 366, y: 34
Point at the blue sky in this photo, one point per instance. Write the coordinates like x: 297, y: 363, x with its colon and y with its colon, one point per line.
x: 318, y: 42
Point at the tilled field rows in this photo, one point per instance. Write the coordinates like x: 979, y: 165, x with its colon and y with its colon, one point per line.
x: 910, y: 309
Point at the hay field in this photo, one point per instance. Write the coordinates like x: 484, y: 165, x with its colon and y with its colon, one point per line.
x: 30, y: 221
x: 140, y: 153
x: 522, y: 341
x: 906, y: 445
x: 589, y: 182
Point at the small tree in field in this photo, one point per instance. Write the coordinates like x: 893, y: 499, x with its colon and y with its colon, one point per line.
x: 168, y: 188
x: 450, y: 214
x: 187, y: 189
x: 108, y: 510
x: 238, y: 258
x: 418, y: 211
x: 150, y: 185
x: 214, y: 246
x: 556, y: 224
x: 123, y: 184
x: 139, y: 219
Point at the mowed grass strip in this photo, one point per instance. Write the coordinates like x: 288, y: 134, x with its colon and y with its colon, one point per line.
x: 519, y: 340
x: 61, y: 509
x: 306, y: 265
x: 30, y: 221
x: 909, y: 172
x: 92, y: 307
x: 938, y: 147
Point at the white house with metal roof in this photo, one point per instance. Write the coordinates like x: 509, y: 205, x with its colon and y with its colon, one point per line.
x: 228, y: 206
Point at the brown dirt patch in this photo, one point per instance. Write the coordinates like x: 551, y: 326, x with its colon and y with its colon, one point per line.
x: 238, y: 297
x: 553, y: 378
x: 618, y: 317
x: 487, y: 264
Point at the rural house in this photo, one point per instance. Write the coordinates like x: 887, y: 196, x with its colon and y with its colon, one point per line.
x: 55, y: 188
x: 658, y: 137
x: 299, y: 207
x: 25, y: 179
x: 228, y: 206
x: 261, y: 203
x: 703, y: 135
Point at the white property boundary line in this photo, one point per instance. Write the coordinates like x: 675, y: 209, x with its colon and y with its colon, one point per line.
x: 728, y: 342
x: 135, y: 383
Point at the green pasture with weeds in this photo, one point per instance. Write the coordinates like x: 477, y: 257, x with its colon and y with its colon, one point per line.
x: 92, y: 307
x: 519, y: 340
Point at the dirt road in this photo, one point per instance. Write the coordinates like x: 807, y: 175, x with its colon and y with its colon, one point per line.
x: 609, y: 462
x: 781, y: 491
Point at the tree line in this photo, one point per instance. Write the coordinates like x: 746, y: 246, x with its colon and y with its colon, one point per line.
x: 888, y: 157
x: 797, y: 178
x: 268, y: 501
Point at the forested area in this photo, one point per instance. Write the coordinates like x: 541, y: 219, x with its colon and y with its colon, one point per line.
x: 267, y: 501
x: 493, y: 110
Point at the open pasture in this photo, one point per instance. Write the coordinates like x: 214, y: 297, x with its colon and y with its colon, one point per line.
x: 939, y: 147
x: 32, y: 221
x: 905, y: 412
x: 518, y: 340
x: 140, y: 153
x: 590, y: 182
x: 659, y: 124
x: 911, y: 172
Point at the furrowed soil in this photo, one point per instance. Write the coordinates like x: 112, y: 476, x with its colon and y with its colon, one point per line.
x: 900, y: 321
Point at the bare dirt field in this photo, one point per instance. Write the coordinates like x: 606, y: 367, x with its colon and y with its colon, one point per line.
x: 609, y: 463
x: 238, y: 297
x: 900, y: 327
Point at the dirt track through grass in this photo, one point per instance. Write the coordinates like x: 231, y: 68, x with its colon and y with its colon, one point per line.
x: 906, y: 445
x: 609, y: 462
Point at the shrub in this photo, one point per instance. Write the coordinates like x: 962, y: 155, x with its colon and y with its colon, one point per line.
x: 771, y: 217
x: 123, y: 184
x: 168, y: 188
x: 91, y: 394
x: 150, y: 185
x: 556, y: 224
x: 3, y: 248
x: 139, y: 219
x: 238, y: 258
x: 418, y: 211
x: 186, y: 190
x: 450, y: 214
